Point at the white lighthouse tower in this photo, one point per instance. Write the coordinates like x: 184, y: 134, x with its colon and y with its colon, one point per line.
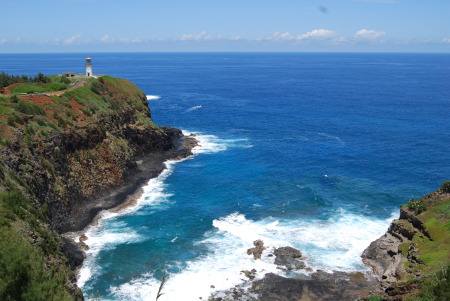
x: 88, y: 67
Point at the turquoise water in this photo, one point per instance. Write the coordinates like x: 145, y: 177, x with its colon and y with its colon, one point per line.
x: 315, y: 151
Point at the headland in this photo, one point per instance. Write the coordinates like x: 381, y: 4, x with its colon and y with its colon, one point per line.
x: 64, y: 157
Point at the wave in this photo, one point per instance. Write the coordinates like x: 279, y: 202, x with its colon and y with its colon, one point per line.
x: 153, y: 97
x: 194, y: 108
x: 109, y: 232
x: 209, y: 144
x: 334, y: 244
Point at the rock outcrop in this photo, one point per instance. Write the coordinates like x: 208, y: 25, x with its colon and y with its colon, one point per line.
x: 414, y: 246
x: 320, y: 285
x: 289, y: 258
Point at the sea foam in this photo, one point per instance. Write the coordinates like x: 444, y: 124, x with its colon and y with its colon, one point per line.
x: 153, y: 97
x: 334, y: 244
x: 109, y: 232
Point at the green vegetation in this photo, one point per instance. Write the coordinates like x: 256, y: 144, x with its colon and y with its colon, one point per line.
x: 23, y: 272
x: 428, y: 254
x: 29, y: 108
x: 6, y: 79
x: 375, y: 298
x: 445, y: 187
x: 30, y: 88
x: 418, y: 206
x: 436, y: 287
x: 48, y: 165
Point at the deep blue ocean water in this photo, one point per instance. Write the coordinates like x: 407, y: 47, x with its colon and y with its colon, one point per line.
x: 315, y: 151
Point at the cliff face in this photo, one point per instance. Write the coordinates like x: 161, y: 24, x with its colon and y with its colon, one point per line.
x: 63, y: 158
x: 415, y: 246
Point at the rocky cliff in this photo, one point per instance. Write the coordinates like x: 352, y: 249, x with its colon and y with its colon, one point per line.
x: 415, y: 249
x: 63, y: 158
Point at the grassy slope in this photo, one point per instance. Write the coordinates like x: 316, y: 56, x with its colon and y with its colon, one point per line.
x: 32, y: 266
x: 427, y: 254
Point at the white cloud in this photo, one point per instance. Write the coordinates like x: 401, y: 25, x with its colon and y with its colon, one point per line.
x: 236, y: 37
x: 106, y: 39
x: 446, y: 40
x: 204, y: 36
x: 3, y: 41
x: 131, y: 40
x: 316, y: 34
x: 72, y: 39
x: 368, y: 35
x: 277, y: 36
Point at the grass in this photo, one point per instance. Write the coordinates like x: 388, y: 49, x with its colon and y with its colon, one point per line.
x: 29, y: 88
x: 433, y: 252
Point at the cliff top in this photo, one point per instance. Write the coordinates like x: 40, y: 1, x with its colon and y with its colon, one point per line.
x: 84, y: 102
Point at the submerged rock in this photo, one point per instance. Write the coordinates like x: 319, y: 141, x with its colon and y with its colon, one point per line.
x: 249, y: 274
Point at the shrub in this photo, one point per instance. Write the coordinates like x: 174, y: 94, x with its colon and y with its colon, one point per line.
x: 436, y: 287
x: 375, y: 298
x: 29, y: 108
x: 445, y: 187
x: 418, y: 206
x: 10, y: 121
x: 23, y: 275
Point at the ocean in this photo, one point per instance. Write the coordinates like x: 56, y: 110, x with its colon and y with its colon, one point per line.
x: 311, y: 150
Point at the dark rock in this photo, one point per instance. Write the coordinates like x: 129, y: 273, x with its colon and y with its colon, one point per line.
x: 249, y: 274
x: 288, y: 251
x: 289, y: 257
x: 73, y: 253
x: 336, y: 286
x: 257, y: 250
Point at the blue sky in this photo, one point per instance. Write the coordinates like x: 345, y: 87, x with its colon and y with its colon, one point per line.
x: 219, y: 25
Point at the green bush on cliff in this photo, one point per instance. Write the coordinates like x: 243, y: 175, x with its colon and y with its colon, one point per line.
x: 418, y: 206
x: 23, y: 275
x: 29, y: 108
x: 445, y: 187
x: 436, y: 287
x: 23, y: 272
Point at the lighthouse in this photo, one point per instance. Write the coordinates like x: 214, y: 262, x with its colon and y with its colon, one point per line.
x: 88, y: 67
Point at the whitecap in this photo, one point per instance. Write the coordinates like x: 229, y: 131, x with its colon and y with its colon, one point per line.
x: 194, y: 108
x: 334, y: 244
x: 153, y: 97
x: 109, y: 232
x: 209, y: 144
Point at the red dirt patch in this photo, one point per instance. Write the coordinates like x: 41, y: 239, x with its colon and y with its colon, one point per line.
x: 7, y: 90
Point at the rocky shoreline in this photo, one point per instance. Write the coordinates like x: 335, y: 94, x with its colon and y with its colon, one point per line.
x: 305, y: 285
x: 402, y: 259
x: 116, y: 199
x: 146, y: 167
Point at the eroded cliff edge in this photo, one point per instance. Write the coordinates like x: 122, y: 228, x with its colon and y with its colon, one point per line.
x: 413, y: 256
x: 64, y: 158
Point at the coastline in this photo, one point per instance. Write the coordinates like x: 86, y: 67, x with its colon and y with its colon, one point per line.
x: 117, y: 199
x: 147, y: 166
